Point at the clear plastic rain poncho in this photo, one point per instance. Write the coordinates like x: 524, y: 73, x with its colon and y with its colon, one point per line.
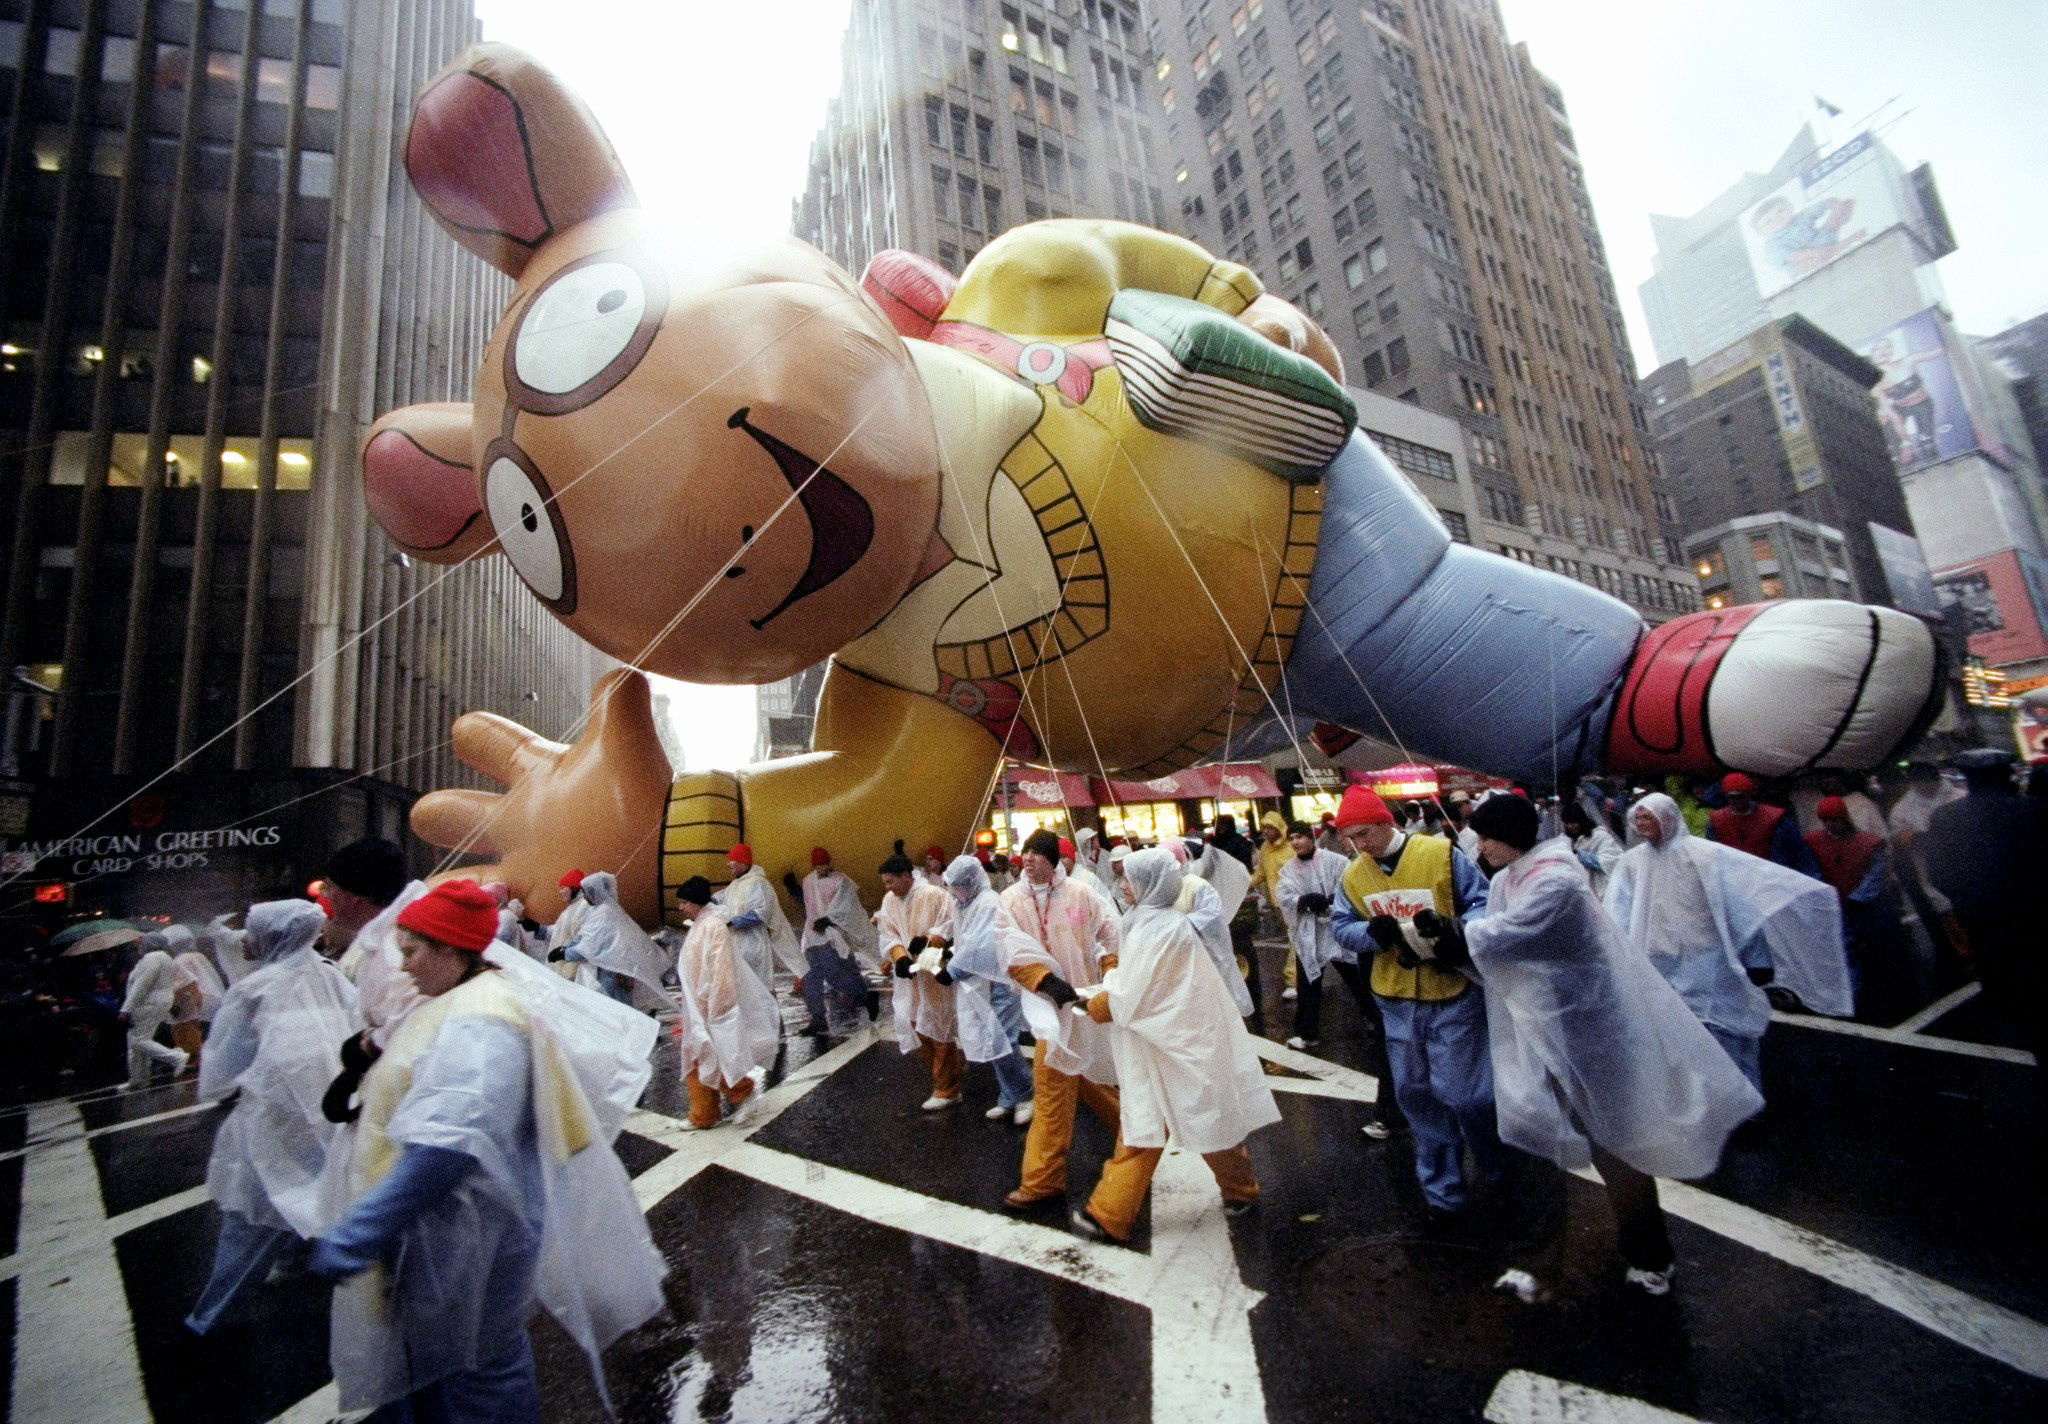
x: 277, y: 1039
x: 1209, y: 907
x: 1704, y: 911
x: 1581, y: 1026
x: 528, y: 1079
x: 611, y: 941
x: 197, y: 989
x: 729, y: 1025
x: 829, y: 895
x: 921, y: 1006
x: 385, y: 993
x: 1315, y: 943
x: 985, y: 941
x: 1070, y: 929
x: 1185, y: 1065
x: 225, y: 947
x: 152, y: 985
x: 754, y: 915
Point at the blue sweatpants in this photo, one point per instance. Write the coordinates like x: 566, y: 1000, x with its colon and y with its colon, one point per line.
x: 500, y: 1390
x: 1443, y: 1080
x: 242, y: 1258
x: 1013, y: 1079
x: 829, y: 969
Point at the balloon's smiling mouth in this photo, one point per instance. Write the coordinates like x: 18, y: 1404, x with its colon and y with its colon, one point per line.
x: 842, y: 524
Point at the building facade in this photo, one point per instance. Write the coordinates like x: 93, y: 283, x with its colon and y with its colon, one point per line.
x: 959, y: 119
x: 1843, y: 234
x: 1409, y: 178
x: 1782, y: 422
x: 215, y: 276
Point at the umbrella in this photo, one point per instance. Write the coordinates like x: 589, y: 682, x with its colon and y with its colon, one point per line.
x: 92, y: 936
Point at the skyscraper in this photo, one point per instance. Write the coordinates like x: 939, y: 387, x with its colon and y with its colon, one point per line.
x: 215, y: 276
x: 1407, y: 176
x: 1844, y: 235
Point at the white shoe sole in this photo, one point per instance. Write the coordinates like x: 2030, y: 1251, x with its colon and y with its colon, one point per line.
x: 935, y: 1104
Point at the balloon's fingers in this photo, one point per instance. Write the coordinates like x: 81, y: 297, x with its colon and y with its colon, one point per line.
x: 458, y: 818
x: 481, y: 874
x: 500, y: 748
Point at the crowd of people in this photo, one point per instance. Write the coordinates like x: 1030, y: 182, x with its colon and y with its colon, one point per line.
x: 424, y: 1080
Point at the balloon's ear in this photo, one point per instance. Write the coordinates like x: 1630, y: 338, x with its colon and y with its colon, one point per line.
x: 505, y: 157
x: 421, y: 485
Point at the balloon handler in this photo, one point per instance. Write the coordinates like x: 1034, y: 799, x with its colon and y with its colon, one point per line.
x: 1083, y: 506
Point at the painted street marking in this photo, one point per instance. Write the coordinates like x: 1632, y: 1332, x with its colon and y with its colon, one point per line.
x: 69, y: 1289
x: 322, y: 1406
x: 1204, y: 1365
x: 1525, y: 1398
x: 1940, y: 1006
x: 1314, y: 1088
x: 1991, y: 1330
x: 1362, y: 1087
x: 1911, y: 1040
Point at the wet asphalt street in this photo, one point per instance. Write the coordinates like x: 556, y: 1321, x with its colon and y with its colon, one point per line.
x: 1873, y: 1248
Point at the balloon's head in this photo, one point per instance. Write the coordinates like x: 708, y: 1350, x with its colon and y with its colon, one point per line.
x: 719, y: 475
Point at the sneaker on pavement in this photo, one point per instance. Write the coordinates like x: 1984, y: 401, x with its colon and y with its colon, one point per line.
x: 1377, y: 1130
x: 745, y: 1111
x: 1017, y: 1201
x: 1519, y: 1284
x: 997, y: 1113
x: 1024, y: 1112
x: 1302, y: 1045
x: 1290, y: 993
x: 1234, y: 1209
x: 1652, y: 1282
x: 1087, y: 1225
x: 935, y: 1102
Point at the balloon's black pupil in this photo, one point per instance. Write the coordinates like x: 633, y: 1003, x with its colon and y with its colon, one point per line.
x: 611, y: 301
x: 528, y: 518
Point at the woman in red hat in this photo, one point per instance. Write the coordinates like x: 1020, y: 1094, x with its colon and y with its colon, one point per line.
x: 477, y: 1156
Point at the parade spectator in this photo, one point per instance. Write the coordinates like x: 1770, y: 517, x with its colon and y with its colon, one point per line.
x: 914, y: 914
x: 361, y: 879
x: 754, y: 915
x: 728, y: 1030
x: 1719, y: 923
x: 1595, y: 1059
x: 985, y: 941
x: 838, y: 939
x: 1073, y: 938
x: 1186, y: 1066
x: 1769, y: 832
x: 146, y: 1006
x: 1985, y: 852
x: 482, y: 1178
x: 1592, y: 843
x: 1434, y: 1020
x: 272, y: 1047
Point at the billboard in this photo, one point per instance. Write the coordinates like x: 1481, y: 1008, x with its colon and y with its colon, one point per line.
x: 1836, y: 204
x: 2004, y: 605
x: 1923, y: 395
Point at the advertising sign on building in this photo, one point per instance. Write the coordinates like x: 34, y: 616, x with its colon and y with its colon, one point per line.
x: 1835, y: 205
x: 2002, y: 612
x: 1905, y: 571
x: 1923, y: 397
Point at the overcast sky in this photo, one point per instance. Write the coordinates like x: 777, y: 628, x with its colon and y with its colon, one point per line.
x: 713, y: 108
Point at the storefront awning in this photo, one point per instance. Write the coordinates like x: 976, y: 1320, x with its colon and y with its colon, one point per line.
x: 1233, y: 781
x: 1032, y: 789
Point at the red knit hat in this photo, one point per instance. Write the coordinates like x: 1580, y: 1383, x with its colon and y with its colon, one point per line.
x: 1066, y: 848
x: 934, y: 852
x: 571, y: 880
x: 820, y: 856
x: 456, y: 912
x: 742, y: 853
x: 1735, y: 782
x: 1832, y: 808
x: 1362, y: 806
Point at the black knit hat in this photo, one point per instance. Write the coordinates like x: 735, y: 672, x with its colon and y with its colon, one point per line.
x: 1507, y: 819
x: 371, y: 868
x: 1043, y: 842
x: 694, y: 891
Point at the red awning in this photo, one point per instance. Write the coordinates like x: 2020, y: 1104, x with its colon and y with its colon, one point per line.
x: 1234, y: 781
x: 1034, y: 790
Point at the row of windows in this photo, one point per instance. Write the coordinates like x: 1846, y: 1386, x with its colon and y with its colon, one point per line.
x: 172, y: 65
x: 1415, y: 459
x: 212, y: 162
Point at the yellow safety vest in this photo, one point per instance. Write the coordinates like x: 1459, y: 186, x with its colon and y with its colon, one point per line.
x: 1425, y: 864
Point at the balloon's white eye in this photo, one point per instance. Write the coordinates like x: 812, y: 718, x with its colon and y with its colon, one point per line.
x: 578, y: 326
x: 528, y: 528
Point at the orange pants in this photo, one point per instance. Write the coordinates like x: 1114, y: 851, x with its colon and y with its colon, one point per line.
x: 945, y: 1062
x: 1115, y: 1201
x: 1052, y: 1133
x: 189, y: 1036
x: 704, y: 1097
